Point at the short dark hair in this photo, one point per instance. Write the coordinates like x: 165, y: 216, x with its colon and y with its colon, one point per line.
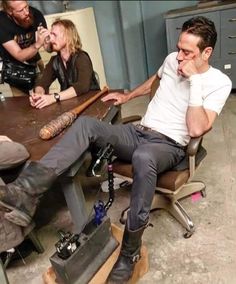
x: 204, y: 28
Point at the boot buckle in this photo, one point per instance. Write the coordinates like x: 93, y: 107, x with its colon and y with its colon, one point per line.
x: 136, y: 258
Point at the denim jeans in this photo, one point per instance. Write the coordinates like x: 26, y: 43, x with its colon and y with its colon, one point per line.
x: 147, y: 151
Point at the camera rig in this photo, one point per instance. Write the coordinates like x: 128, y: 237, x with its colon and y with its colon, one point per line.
x: 79, y: 256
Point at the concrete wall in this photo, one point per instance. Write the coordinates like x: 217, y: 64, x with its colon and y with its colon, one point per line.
x: 132, y: 35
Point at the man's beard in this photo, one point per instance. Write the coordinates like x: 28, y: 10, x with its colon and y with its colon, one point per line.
x: 26, y: 23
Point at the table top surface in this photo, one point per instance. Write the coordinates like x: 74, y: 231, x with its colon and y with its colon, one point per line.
x: 22, y: 123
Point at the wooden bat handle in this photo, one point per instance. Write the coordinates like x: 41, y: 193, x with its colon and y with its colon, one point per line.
x: 56, y: 126
x: 77, y: 110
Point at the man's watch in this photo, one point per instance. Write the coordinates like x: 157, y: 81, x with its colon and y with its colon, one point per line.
x: 57, y: 97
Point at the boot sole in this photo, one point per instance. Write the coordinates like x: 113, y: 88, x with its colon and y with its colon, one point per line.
x: 16, y: 216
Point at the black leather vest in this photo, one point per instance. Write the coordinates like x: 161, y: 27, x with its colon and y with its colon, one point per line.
x: 67, y: 77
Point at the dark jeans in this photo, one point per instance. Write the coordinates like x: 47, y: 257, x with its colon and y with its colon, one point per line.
x: 148, y: 152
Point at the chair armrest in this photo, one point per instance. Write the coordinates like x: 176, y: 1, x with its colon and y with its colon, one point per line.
x: 193, y: 145
x: 130, y: 119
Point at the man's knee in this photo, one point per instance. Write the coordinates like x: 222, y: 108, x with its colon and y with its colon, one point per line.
x: 143, y: 163
x: 87, y: 125
x: 84, y: 122
x: 12, y: 154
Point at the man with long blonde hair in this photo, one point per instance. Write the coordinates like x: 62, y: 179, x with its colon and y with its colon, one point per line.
x: 71, y: 66
x: 73, y: 39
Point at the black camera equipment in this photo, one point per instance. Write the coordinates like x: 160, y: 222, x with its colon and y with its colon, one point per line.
x: 104, y: 153
x: 67, y: 244
x: 78, y: 257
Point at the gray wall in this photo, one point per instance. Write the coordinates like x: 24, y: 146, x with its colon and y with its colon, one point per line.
x: 132, y: 35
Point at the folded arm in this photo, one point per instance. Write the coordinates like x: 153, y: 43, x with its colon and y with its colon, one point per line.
x: 199, y: 120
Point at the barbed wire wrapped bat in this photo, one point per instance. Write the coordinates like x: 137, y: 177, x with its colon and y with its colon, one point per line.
x: 56, y: 126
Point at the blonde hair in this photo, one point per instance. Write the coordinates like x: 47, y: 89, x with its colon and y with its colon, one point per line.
x: 5, y: 5
x: 72, y: 36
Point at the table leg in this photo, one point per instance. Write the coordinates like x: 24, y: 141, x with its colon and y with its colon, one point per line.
x: 75, y: 200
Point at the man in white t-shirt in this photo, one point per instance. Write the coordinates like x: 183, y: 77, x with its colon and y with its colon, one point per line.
x: 190, y: 96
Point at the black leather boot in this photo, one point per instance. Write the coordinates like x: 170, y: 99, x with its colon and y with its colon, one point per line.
x: 130, y: 254
x: 20, y: 198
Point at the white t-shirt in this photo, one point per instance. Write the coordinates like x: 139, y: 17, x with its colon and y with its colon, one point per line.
x: 166, y: 112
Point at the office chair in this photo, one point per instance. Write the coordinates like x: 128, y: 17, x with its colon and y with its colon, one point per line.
x: 172, y: 185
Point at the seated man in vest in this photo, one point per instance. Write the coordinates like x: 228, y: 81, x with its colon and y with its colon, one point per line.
x: 190, y: 97
x: 71, y: 66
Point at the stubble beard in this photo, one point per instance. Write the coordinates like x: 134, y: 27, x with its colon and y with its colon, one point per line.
x: 26, y: 23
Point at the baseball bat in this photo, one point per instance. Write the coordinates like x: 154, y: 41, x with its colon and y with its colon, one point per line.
x: 56, y: 126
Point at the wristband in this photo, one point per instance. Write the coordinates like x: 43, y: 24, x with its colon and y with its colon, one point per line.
x: 195, y: 97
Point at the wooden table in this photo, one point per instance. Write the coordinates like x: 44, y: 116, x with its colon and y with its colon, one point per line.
x: 20, y: 122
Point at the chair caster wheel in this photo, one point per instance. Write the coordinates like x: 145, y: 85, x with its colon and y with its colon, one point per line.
x: 188, y: 234
x: 203, y: 193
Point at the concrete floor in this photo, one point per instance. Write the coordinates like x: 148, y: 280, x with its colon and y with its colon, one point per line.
x: 209, y: 256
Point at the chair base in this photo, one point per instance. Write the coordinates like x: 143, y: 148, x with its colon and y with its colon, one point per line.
x: 189, y: 189
x: 170, y: 202
x: 176, y: 210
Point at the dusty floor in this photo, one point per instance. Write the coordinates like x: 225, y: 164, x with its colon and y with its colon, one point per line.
x: 209, y: 256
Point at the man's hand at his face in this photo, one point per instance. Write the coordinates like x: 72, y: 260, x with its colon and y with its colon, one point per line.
x: 187, y: 68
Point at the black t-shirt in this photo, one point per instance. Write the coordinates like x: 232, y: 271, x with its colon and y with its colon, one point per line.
x: 24, y: 37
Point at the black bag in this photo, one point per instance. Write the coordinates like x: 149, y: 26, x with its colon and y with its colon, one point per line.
x: 19, y: 75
